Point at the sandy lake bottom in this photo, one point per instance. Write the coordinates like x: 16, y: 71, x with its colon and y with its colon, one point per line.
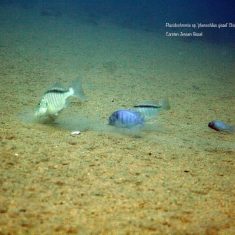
x: 176, y: 177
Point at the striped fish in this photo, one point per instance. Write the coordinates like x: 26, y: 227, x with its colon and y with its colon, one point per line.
x: 126, y: 118
x: 54, y: 100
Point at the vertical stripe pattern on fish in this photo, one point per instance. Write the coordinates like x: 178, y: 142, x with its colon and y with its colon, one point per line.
x: 54, y: 100
x: 126, y: 118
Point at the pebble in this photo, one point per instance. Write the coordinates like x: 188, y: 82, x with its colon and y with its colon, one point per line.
x: 75, y: 133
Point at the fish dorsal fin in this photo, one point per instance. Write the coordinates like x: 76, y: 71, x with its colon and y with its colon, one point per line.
x: 161, y: 104
x: 57, y: 87
x: 147, y: 106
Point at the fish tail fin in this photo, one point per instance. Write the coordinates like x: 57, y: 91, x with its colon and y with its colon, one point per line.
x: 232, y: 129
x: 78, y: 90
x: 165, y: 104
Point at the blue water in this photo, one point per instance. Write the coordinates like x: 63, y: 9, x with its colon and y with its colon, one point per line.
x: 149, y: 15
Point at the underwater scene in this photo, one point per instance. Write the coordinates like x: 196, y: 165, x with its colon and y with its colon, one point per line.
x: 117, y: 117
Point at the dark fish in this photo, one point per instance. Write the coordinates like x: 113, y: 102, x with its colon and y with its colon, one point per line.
x: 221, y: 126
x: 126, y: 118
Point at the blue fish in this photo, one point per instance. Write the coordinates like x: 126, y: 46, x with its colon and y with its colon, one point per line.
x: 221, y: 126
x: 126, y: 118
